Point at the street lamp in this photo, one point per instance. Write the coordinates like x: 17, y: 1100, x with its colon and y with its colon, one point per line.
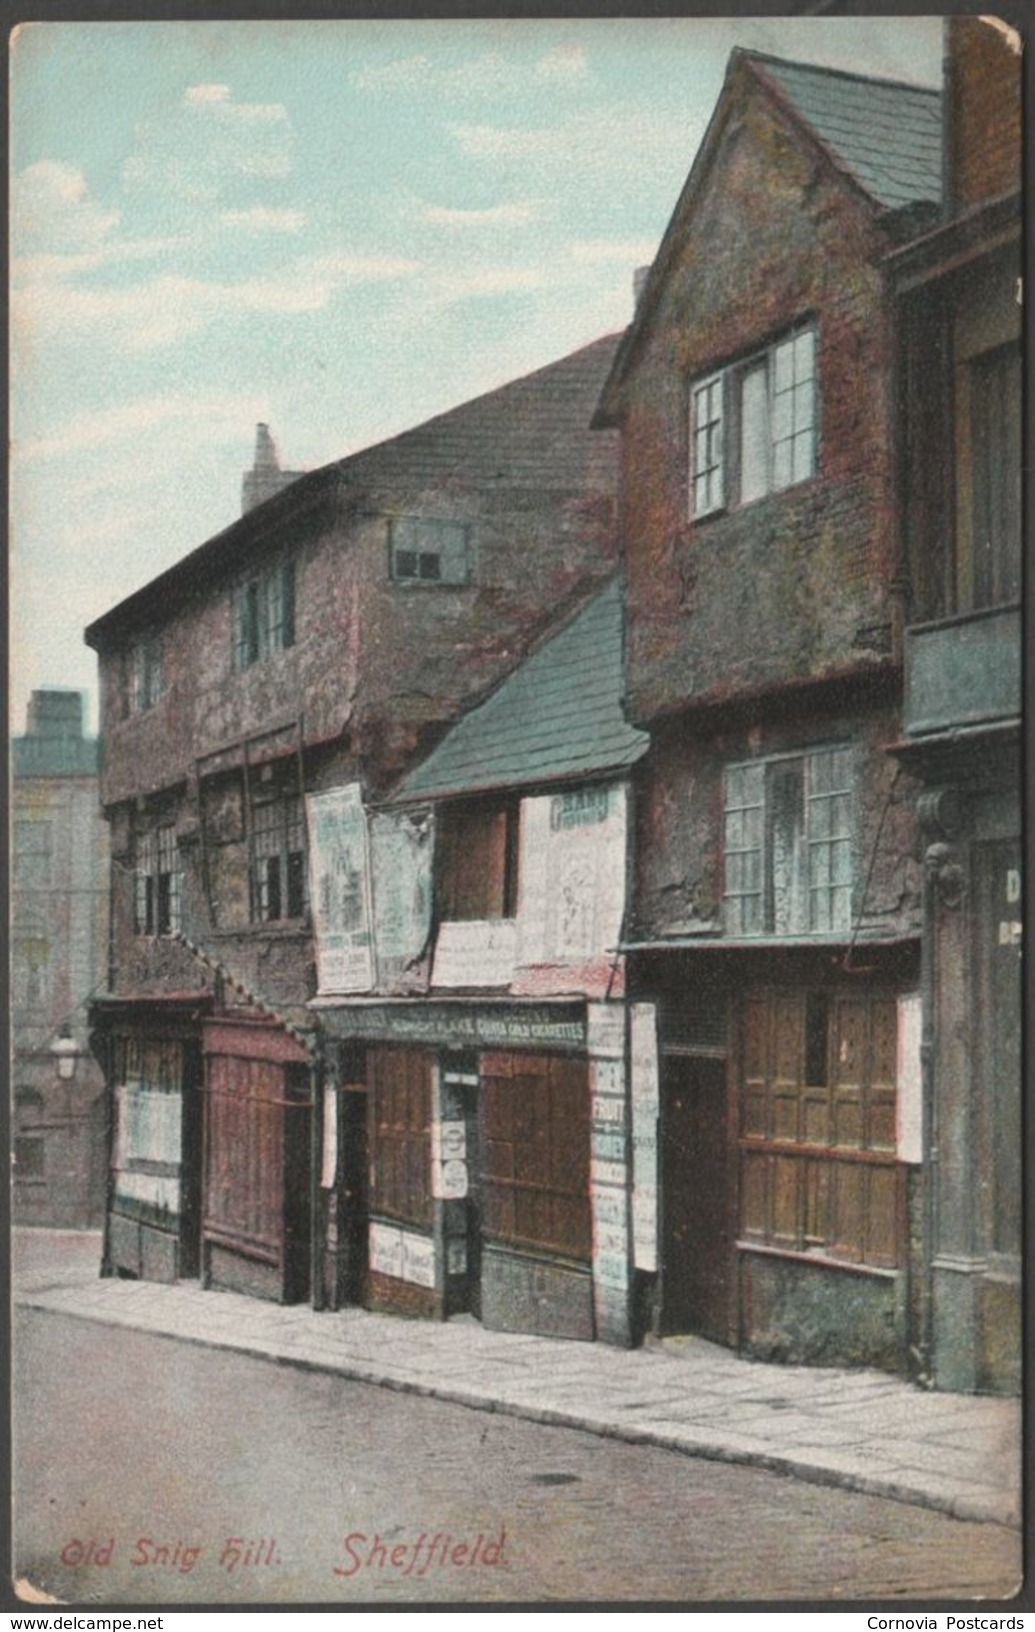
x: 65, y: 1051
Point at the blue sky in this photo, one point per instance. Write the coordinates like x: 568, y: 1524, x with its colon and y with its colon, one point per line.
x: 338, y: 227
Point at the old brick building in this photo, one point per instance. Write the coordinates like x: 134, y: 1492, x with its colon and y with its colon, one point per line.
x: 59, y: 935
x: 958, y: 294
x: 318, y: 643
x: 777, y: 902
x: 831, y: 1189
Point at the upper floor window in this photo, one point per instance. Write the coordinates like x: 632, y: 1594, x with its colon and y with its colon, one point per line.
x: 158, y: 882
x: 477, y: 861
x: 31, y: 969
x: 264, y: 614
x: 146, y: 682
x: 425, y: 550
x: 753, y: 425
x: 278, y: 854
x: 32, y: 852
x: 789, y: 844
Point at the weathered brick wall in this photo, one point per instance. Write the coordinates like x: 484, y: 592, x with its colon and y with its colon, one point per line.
x: 679, y: 816
x: 377, y: 668
x: 794, y: 584
x: 985, y: 79
x: 381, y: 660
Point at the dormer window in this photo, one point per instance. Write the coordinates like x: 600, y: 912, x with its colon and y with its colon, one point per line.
x: 425, y: 550
x: 264, y: 615
x: 753, y: 426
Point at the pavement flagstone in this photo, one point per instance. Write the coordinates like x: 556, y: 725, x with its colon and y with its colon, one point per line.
x: 860, y: 1430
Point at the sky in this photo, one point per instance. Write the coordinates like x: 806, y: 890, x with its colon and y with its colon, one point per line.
x: 339, y: 228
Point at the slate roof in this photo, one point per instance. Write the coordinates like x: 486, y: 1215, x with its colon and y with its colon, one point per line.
x: 883, y: 135
x: 533, y: 431
x: 557, y: 717
x: 886, y: 135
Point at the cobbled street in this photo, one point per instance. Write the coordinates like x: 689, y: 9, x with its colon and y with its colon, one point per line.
x: 148, y: 1471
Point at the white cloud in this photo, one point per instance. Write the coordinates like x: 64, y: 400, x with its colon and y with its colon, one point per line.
x: 263, y: 218
x: 565, y: 65
x: 194, y: 150
x: 202, y: 95
x: 516, y: 214
x: 489, y: 75
x: 41, y: 268
x: 51, y: 210
x: 401, y: 74
x: 608, y: 146
x: 630, y: 251
x: 172, y: 307
x: 487, y: 280
x: 193, y: 420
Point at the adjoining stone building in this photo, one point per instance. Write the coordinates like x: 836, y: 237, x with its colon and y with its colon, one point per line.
x: 59, y: 946
x: 957, y: 291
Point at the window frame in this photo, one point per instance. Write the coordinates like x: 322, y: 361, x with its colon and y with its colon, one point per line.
x: 721, y: 438
x: 421, y: 575
x: 458, y: 841
x: 263, y: 614
x: 824, y: 823
x: 157, y: 882
x: 146, y: 674
x: 277, y: 850
x: 33, y: 852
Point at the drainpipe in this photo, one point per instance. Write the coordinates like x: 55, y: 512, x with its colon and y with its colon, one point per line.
x: 317, y: 1222
x: 942, y: 878
x: 928, y: 986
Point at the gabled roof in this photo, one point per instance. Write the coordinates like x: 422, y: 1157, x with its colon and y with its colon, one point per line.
x: 886, y: 135
x: 532, y: 432
x: 882, y: 136
x: 557, y: 717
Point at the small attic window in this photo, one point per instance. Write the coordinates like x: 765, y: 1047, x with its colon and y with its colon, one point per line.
x: 425, y: 550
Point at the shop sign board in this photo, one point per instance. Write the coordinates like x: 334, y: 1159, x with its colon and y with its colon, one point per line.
x: 450, y: 1025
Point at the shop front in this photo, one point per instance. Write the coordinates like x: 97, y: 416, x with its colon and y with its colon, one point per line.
x: 151, y: 1054
x: 255, y: 1224
x: 790, y: 1150
x: 499, y: 1160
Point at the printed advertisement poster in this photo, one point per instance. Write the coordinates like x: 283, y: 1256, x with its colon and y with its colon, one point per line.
x: 339, y: 869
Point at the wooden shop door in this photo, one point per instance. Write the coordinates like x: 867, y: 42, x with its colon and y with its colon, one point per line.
x: 697, y: 1280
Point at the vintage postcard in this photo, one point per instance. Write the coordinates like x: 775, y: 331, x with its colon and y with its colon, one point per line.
x: 517, y: 893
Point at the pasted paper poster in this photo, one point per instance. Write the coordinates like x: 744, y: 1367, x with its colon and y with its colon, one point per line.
x: 339, y: 870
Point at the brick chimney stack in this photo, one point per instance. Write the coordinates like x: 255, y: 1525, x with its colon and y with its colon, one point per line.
x: 265, y: 477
